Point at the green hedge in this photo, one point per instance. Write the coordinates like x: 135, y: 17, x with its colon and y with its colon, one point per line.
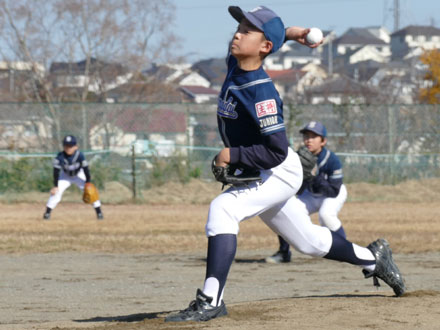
x: 36, y: 174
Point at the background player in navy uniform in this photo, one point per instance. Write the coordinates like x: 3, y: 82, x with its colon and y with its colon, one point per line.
x: 69, y: 166
x: 325, y: 193
x: 251, y: 124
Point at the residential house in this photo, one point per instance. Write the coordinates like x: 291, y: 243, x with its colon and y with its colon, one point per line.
x: 199, y: 94
x: 291, y: 83
x: 361, y: 71
x: 399, y: 81
x: 177, y: 74
x: 24, y: 128
x: 292, y: 55
x: 139, y: 89
x: 214, y: 70
x: 341, y: 89
x: 16, y: 80
x: 95, y: 75
x: 193, y: 85
x: 358, y: 44
x: 153, y: 125
x: 413, y: 40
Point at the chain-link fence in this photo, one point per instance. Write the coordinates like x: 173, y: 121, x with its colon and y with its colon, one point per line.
x: 142, y: 145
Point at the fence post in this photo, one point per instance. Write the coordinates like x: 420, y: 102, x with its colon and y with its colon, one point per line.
x: 189, y: 139
x: 391, y: 133
x: 133, y: 171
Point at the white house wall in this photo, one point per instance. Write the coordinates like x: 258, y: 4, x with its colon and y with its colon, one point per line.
x: 367, y: 53
x: 194, y: 79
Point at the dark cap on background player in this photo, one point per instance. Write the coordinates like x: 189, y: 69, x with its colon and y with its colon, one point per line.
x: 69, y: 140
x: 315, y: 127
x: 264, y: 20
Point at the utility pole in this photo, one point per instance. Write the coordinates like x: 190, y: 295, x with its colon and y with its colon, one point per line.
x: 396, y: 15
x: 330, y: 54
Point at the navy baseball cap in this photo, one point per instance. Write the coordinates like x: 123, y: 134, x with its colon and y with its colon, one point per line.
x: 264, y: 20
x: 315, y: 127
x: 69, y: 140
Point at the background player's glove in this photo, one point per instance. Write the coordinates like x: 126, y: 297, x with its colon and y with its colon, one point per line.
x: 308, y: 162
x: 90, y: 194
x: 225, y: 175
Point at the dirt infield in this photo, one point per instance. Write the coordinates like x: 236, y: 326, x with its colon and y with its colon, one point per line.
x: 144, y: 261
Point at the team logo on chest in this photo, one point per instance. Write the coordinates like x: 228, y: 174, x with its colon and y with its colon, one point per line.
x: 226, y: 108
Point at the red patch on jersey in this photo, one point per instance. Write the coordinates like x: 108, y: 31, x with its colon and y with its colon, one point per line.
x: 265, y: 108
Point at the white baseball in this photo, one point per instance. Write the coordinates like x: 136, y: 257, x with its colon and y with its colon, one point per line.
x: 314, y: 36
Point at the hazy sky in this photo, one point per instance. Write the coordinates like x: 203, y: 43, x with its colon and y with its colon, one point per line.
x: 206, y: 26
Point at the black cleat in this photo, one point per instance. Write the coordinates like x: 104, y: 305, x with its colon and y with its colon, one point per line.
x: 100, y: 216
x: 199, y: 310
x: 46, y: 216
x: 385, y: 269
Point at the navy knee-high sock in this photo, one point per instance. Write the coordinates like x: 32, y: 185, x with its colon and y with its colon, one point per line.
x: 342, y: 250
x: 221, y: 254
x: 284, y: 246
x: 341, y: 232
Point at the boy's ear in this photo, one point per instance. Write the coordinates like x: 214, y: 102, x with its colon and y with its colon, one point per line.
x: 267, y: 46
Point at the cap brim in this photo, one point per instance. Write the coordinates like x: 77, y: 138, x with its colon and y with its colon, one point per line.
x: 310, y: 130
x: 236, y: 12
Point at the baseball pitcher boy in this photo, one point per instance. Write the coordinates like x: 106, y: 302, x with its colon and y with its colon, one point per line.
x: 69, y: 166
x: 323, y: 193
x: 250, y: 121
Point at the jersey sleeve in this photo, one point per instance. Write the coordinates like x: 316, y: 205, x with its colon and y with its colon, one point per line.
x: 266, y: 110
x: 329, y: 182
x: 57, y: 161
x: 82, y: 160
x: 262, y: 156
x: 56, y: 176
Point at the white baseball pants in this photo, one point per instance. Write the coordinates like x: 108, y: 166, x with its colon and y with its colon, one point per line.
x: 327, y: 207
x: 275, y: 202
x: 64, y: 182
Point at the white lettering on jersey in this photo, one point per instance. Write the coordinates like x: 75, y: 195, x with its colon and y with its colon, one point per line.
x: 265, y: 108
x: 226, y: 108
x: 272, y: 120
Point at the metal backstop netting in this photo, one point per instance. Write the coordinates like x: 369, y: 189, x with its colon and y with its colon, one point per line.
x: 142, y: 145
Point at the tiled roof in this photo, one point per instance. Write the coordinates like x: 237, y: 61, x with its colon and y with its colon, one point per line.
x: 359, y: 40
x: 141, y: 91
x: 200, y: 90
x: 418, y: 30
x: 288, y: 75
x: 340, y: 85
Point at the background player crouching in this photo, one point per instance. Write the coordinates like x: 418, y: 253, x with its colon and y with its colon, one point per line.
x: 69, y: 166
x: 325, y: 193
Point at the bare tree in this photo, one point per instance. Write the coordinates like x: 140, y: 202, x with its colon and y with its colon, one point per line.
x: 132, y: 33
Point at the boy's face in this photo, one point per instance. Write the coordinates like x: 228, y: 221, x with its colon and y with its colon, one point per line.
x: 70, y: 149
x: 249, y: 41
x: 314, y: 142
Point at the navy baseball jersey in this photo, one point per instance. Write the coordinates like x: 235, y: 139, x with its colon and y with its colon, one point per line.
x: 250, y: 118
x: 329, y: 178
x: 70, y: 165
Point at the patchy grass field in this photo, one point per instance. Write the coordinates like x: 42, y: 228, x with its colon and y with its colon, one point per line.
x: 139, y: 259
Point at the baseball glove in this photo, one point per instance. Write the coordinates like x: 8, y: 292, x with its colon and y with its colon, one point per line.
x: 308, y: 162
x: 225, y: 175
x: 90, y: 193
